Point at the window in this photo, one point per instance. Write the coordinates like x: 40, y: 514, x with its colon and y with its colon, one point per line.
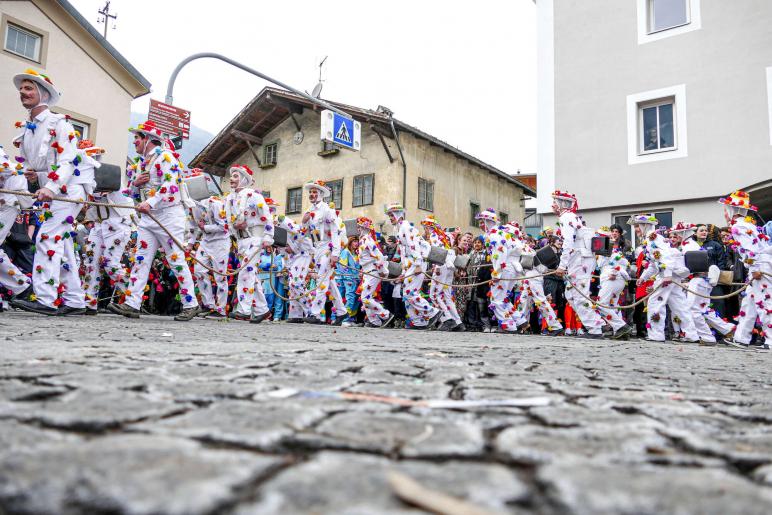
x: 270, y: 154
x: 23, y: 42
x: 363, y: 190
x: 504, y: 217
x: 659, y: 19
x: 85, y: 125
x: 533, y: 220
x: 82, y: 127
x: 667, y: 14
x: 294, y: 200
x: 656, y: 125
x: 425, y: 195
x: 336, y: 187
x: 474, y: 210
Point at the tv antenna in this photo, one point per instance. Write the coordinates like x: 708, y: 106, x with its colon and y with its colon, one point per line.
x: 105, y: 16
x: 318, y: 88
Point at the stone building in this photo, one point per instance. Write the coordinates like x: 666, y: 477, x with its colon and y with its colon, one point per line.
x: 655, y: 106
x: 97, y: 83
x: 278, y: 135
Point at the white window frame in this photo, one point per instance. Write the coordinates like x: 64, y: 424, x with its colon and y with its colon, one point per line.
x: 86, y: 126
x: 769, y: 100
x: 635, y: 155
x: 38, y: 46
x: 694, y: 12
x: 271, y: 154
x: 642, y: 137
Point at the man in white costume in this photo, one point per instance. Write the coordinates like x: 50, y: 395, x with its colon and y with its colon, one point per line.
x: 251, y: 223
x: 155, y: 179
x: 48, y: 145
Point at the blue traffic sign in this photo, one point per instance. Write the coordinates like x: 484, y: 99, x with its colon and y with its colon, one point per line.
x: 343, y: 131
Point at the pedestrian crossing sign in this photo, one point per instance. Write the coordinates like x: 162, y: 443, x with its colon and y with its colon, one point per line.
x: 342, y: 131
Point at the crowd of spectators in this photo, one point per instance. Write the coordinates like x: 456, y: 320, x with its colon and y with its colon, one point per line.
x: 471, y: 294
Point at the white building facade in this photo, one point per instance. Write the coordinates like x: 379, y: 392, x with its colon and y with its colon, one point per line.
x: 655, y: 106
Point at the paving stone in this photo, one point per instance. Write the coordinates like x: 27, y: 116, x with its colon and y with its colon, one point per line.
x: 403, y: 433
x: 126, y: 474
x: 651, y: 490
x: 19, y: 391
x: 247, y: 424
x: 345, y: 483
x: 88, y: 411
x: 417, y: 389
x: 624, y: 442
x: 15, y: 436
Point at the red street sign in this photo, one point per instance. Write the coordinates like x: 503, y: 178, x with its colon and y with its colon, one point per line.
x: 171, y: 119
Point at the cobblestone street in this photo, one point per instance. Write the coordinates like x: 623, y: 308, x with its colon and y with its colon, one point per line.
x: 104, y: 414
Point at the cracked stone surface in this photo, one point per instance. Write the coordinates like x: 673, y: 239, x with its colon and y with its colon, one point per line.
x: 112, y: 415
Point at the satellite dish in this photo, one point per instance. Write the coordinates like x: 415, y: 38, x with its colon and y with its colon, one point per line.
x: 317, y: 90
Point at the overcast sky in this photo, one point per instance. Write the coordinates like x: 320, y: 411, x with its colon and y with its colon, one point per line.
x: 462, y: 71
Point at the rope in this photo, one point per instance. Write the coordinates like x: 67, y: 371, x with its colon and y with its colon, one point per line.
x: 153, y: 218
x: 596, y: 304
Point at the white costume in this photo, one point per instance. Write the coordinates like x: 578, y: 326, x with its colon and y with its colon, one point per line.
x: 213, y: 250
x: 505, y: 250
x: 373, y: 264
x: 324, y: 229
x: 532, y: 293
x: 299, y: 253
x: 49, y: 145
x: 247, y: 205
x: 442, y: 275
x: 756, y: 252
x: 614, y: 274
x: 413, y: 251
x: 163, y: 193
x: 578, y: 261
x: 106, y: 243
x: 703, y: 316
x: 11, y: 178
x: 665, y: 263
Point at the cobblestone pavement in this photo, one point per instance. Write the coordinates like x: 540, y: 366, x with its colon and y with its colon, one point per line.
x: 106, y: 414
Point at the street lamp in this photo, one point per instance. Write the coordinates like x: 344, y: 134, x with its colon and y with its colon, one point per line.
x: 173, y: 78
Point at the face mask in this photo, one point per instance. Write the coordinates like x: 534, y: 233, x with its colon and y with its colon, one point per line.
x: 43, y: 95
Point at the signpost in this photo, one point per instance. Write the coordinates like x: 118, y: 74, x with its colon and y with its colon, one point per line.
x: 171, y: 119
x: 341, y: 131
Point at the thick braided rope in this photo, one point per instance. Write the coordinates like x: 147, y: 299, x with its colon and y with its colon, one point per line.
x: 152, y: 217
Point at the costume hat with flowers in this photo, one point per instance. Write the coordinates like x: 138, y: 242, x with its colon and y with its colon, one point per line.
x: 320, y: 186
x: 489, y: 215
x: 566, y: 201
x: 365, y: 223
x: 604, y: 230
x: 393, y: 207
x: 683, y: 229
x: 43, y: 81
x: 246, y: 176
x: 430, y: 221
x: 148, y: 129
x: 643, y: 220
x: 740, y: 200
